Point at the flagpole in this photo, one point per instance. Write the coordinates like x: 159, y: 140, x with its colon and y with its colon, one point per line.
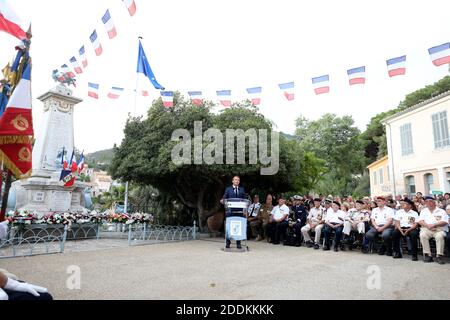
x: 136, y: 86
x: 127, y: 184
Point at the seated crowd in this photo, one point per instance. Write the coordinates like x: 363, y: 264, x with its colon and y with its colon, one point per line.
x: 381, y: 224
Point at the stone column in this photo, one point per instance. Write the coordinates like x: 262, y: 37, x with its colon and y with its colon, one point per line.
x: 43, y: 192
x: 56, y: 132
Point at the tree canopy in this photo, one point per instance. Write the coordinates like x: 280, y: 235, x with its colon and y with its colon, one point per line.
x: 144, y: 156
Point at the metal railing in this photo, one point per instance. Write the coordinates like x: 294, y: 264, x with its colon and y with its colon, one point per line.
x: 50, y: 239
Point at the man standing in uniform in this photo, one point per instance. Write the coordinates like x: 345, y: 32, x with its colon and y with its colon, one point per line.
x: 234, y: 192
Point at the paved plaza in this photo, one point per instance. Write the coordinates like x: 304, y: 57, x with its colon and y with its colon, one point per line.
x: 201, y: 270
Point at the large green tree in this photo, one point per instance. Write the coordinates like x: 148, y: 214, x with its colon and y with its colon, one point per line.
x: 336, y: 141
x: 144, y: 156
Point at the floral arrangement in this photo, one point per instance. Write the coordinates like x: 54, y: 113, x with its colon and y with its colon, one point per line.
x: 68, y: 218
x: 59, y: 218
x: 118, y: 218
x: 140, y: 218
x: 21, y: 217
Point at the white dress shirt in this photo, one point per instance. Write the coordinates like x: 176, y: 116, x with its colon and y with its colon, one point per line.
x: 335, y: 216
x: 436, y: 216
x: 278, y: 212
x: 407, y: 219
x: 381, y: 217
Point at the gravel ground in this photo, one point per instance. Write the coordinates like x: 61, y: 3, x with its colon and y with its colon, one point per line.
x: 201, y: 270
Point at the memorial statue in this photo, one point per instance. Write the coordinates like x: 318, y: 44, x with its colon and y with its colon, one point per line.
x: 64, y: 78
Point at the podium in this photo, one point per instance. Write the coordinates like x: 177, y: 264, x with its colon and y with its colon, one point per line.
x: 236, y: 226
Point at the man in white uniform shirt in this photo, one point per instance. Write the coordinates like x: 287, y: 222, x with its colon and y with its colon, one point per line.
x: 434, y: 222
x: 406, y: 225
x: 315, y: 223
x: 382, y: 219
x: 279, y: 221
x: 334, y: 221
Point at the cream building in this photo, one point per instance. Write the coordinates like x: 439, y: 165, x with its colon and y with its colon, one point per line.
x: 419, y: 147
x: 380, y: 183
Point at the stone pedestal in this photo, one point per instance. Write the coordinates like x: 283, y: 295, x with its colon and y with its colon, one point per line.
x: 43, y: 192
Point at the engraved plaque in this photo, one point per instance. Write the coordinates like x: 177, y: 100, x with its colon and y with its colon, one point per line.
x: 60, y: 201
x: 38, y: 196
x: 76, y: 198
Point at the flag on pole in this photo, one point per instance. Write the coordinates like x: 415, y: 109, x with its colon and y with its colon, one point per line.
x: 440, y: 55
x: 83, y: 57
x: 81, y: 163
x: 16, y: 128
x: 255, y: 95
x: 109, y: 25
x: 64, y: 162
x: 10, y: 22
x: 131, y: 6
x: 288, y: 90
x: 66, y: 70
x: 18, y: 117
x: 143, y: 68
x: 93, y: 90
x: 167, y: 98
x: 76, y: 65
x: 357, y: 76
x: 96, y: 43
x: 321, y: 84
x: 73, y: 162
x: 115, y: 93
x: 396, y: 66
x: 196, y: 97
x: 224, y: 97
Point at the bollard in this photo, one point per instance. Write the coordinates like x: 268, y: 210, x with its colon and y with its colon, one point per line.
x: 195, y: 230
x: 63, y: 243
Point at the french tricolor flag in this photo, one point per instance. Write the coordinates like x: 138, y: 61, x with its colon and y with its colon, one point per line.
x: 255, y: 95
x: 396, y: 66
x: 83, y: 58
x: 196, y: 97
x: 66, y: 70
x: 10, y: 22
x: 321, y: 84
x: 288, y: 90
x: 115, y: 93
x: 167, y: 98
x: 357, y: 75
x: 93, y: 90
x: 131, y: 6
x: 109, y: 25
x: 96, y: 43
x: 18, y: 117
x: 440, y: 54
x: 224, y: 97
x: 76, y: 65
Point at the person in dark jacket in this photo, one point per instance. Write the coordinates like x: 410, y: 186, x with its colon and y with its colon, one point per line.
x: 234, y: 192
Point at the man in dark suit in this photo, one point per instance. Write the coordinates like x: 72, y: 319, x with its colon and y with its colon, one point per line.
x: 234, y: 192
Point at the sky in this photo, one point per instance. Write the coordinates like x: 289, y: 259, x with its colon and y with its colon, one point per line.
x: 211, y: 45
